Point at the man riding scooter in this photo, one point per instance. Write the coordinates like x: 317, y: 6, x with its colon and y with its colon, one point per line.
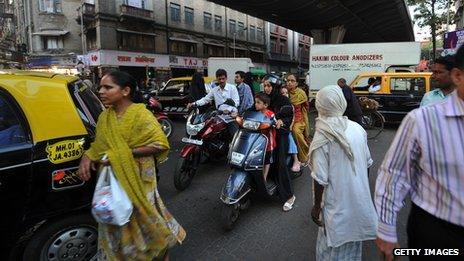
x: 220, y: 94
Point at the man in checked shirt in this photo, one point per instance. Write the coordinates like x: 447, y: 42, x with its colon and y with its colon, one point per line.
x: 426, y: 161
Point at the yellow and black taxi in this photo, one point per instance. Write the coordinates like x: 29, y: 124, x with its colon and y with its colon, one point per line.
x: 396, y: 92
x: 174, y: 95
x: 46, y: 123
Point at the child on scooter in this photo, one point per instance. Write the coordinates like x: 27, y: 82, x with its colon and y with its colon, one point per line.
x: 262, y: 101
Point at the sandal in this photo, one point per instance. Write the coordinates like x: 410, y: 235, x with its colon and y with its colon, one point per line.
x: 289, y: 205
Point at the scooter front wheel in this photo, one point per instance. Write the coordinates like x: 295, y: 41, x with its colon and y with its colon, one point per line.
x: 184, y: 172
x: 229, y: 215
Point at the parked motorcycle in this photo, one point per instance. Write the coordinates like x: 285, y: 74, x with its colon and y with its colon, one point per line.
x: 246, y: 158
x: 157, y: 109
x: 208, y: 136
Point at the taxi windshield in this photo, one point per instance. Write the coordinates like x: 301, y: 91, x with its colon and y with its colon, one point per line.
x: 88, y: 105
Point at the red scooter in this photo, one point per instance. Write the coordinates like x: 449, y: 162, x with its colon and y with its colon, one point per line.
x: 208, y: 138
x: 157, y: 109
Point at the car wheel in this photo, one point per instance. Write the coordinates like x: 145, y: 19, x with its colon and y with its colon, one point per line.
x: 73, y: 238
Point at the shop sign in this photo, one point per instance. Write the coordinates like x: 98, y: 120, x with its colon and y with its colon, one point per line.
x: 453, y: 40
x: 187, y: 62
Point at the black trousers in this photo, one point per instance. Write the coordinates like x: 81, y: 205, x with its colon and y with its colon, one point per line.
x: 426, y: 231
x: 279, y: 167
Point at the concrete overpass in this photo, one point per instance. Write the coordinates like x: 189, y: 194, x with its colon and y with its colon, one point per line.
x: 334, y: 21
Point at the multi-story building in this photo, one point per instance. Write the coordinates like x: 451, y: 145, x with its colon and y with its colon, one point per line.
x: 288, y: 51
x: 11, y: 48
x: 52, y: 33
x: 169, y: 37
x: 459, y: 16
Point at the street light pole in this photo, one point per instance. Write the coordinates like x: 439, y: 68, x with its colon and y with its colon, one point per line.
x: 235, y: 35
x: 448, y: 18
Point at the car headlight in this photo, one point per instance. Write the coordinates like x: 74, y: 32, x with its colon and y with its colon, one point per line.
x: 251, y: 125
x: 193, y: 129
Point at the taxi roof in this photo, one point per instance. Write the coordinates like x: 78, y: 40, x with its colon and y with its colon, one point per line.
x: 46, y: 102
x: 189, y: 78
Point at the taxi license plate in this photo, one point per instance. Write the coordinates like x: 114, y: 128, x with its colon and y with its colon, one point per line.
x: 192, y: 141
x: 237, y: 158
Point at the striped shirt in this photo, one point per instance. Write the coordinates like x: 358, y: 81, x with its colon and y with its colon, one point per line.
x: 425, y: 160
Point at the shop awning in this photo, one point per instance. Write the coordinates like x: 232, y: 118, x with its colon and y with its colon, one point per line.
x: 258, y: 71
x: 135, y: 32
x: 214, y: 43
x: 52, y: 33
x: 183, y: 40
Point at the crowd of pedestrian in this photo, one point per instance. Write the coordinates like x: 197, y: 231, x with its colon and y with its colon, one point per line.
x: 425, y: 161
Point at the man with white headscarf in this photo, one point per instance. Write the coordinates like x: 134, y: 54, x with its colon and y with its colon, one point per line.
x: 339, y: 157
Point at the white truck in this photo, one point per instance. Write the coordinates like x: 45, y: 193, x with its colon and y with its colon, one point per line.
x: 329, y: 62
x: 231, y: 65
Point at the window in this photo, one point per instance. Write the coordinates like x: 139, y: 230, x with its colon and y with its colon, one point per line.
x: 259, y: 34
x: 52, y: 42
x: 241, y: 29
x: 408, y: 85
x: 211, y: 50
x: 11, y: 131
x: 363, y: 83
x: 232, y: 28
x: 207, y: 20
x: 189, y: 15
x: 175, y: 12
x: 183, y: 48
x: 218, y: 23
x: 136, y: 42
x: 273, y: 43
x: 283, y: 46
x: 136, y: 3
x: 252, y: 33
x: 50, y: 6
x: 177, y: 87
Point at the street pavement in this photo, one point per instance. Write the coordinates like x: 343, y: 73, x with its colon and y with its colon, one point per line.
x: 264, y: 231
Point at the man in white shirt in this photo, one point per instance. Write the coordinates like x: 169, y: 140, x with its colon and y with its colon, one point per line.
x: 222, y: 92
x: 339, y: 158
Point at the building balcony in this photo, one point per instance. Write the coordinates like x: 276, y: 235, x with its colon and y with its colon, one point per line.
x: 88, y: 13
x: 131, y: 12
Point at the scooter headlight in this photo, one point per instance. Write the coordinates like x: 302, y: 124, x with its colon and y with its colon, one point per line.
x: 251, y: 125
x: 193, y: 129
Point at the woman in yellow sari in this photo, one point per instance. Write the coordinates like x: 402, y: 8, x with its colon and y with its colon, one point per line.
x: 133, y: 140
x: 300, y: 130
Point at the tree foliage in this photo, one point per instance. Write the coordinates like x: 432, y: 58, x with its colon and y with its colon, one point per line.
x: 432, y: 14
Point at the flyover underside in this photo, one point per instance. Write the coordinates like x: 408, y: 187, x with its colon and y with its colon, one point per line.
x: 364, y: 21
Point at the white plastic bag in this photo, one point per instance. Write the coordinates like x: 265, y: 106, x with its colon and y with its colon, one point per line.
x: 110, y: 204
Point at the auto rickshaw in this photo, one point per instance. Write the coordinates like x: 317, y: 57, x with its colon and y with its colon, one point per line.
x: 47, y: 121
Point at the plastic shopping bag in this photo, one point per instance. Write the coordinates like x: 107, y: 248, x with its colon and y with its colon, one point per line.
x: 110, y: 204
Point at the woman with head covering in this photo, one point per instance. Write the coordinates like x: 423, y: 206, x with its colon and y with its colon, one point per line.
x: 249, y: 81
x: 300, y: 130
x: 283, y: 111
x: 197, y: 88
x: 339, y: 158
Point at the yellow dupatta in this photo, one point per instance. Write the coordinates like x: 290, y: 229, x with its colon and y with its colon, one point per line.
x: 147, y: 233
x: 299, y: 97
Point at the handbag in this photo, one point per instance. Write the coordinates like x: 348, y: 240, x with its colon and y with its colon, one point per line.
x: 110, y: 204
